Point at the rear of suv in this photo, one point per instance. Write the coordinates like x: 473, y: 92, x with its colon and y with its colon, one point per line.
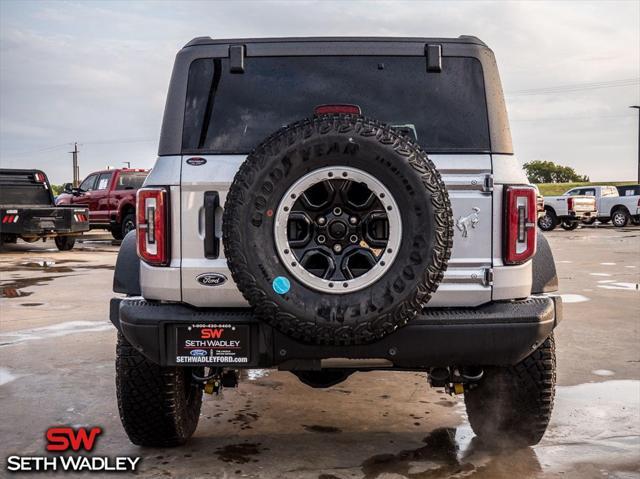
x: 331, y: 205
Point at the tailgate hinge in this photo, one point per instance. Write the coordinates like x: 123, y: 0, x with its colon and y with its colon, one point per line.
x: 488, y: 183
x: 488, y: 277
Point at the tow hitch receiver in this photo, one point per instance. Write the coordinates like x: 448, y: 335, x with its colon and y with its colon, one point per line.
x: 455, y: 380
x: 216, y: 379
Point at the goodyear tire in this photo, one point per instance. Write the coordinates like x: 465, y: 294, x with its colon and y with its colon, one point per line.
x: 159, y: 406
x: 342, y: 183
x: 511, y: 406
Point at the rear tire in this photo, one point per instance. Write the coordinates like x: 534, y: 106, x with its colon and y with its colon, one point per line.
x: 620, y: 218
x: 512, y: 405
x: 65, y: 243
x: 548, y: 222
x: 120, y: 230
x: 159, y: 406
x: 569, y: 225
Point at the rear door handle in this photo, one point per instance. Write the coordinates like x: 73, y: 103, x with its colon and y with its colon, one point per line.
x: 211, y: 241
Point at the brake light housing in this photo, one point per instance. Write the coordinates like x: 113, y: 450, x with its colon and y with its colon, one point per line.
x: 337, y: 109
x: 520, y: 224
x: 570, y: 204
x: 152, y: 225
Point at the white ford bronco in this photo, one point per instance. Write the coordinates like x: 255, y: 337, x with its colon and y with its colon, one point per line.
x: 331, y: 205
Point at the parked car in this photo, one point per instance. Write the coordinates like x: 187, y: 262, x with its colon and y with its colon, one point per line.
x: 110, y: 196
x: 567, y: 211
x: 336, y: 244
x: 28, y: 211
x: 611, y: 205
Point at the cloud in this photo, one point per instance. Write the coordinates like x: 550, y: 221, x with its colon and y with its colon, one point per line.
x: 99, y: 70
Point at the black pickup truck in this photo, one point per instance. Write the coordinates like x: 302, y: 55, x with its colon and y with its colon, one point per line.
x: 28, y: 211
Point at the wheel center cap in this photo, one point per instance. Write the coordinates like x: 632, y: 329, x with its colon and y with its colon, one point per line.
x: 337, y: 229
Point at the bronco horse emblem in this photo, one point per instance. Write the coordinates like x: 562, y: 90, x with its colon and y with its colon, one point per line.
x: 469, y: 221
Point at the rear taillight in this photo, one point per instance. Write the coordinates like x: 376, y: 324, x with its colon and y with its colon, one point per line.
x: 520, y: 224
x: 570, y: 204
x: 40, y: 178
x: 11, y: 216
x: 152, y: 225
x: 337, y: 109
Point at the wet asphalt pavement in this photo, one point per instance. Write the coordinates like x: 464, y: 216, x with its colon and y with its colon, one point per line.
x: 57, y: 367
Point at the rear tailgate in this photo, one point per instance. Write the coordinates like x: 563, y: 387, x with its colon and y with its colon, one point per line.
x: 467, y: 281
x: 583, y: 204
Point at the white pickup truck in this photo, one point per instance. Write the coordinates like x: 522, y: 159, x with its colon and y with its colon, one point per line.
x: 611, y: 204
x: 567, y: 210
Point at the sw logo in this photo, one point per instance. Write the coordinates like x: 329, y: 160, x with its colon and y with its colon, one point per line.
x: 66, y: 439
x: 210, y: 333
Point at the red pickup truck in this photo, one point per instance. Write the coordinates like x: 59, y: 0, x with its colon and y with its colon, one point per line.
x: 110, y: 196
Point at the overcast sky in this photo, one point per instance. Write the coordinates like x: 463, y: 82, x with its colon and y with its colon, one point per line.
x: 97, y: 72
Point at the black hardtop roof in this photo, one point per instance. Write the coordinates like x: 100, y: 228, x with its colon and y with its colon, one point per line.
x: 469, y: 39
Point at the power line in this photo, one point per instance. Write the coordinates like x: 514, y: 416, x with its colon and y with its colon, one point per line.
x: 571, y: 118
x: 576, y: 87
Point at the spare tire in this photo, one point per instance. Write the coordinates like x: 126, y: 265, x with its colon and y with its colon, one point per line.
x: 337, y: 230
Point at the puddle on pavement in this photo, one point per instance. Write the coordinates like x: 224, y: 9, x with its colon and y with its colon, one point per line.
x: 574, y: 298
x: 594, y: 432
x: 254, y: 374
x: 55, y: 331
x: 239, y: 453
x: 6, y: 376
x: 14, y: 287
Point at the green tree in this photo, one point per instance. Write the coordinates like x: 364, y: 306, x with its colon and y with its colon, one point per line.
x: 548, y: 172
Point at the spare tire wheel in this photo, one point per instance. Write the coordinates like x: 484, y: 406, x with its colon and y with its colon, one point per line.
x: 337, y: 230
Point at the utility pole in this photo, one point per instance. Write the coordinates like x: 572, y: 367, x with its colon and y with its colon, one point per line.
x: 637, y: 107
x: 76, y: 168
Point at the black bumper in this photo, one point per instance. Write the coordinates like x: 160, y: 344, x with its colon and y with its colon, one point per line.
x: 500, y: 333
x: 34, y: 221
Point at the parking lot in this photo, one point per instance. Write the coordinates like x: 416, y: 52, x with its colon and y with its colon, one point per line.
x: 56, y: 367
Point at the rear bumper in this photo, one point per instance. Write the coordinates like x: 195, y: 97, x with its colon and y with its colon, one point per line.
x: 499, y: 333
x: 578, y: 215
x: 43, y: 221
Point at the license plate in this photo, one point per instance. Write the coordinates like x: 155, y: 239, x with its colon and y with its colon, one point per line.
x: 212, y: 344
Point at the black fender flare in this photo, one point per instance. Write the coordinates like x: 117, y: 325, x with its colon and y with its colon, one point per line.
x: 126, y: 278
x: 545, y: 277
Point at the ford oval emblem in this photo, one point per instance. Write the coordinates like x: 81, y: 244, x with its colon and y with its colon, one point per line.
x: 199, y: 352
x: 196, y: 161
x: 211, y: 279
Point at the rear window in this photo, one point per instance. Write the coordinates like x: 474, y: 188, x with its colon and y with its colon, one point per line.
x: 131, y: 180
x: 229, y: 113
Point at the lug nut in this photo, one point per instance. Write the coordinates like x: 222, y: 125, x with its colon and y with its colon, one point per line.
x: 337, y: 211
x: 353, y: 220
x: 353, y: 238
x: 322, y: 220
x: 321, y: 239
x: 337, y: 248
